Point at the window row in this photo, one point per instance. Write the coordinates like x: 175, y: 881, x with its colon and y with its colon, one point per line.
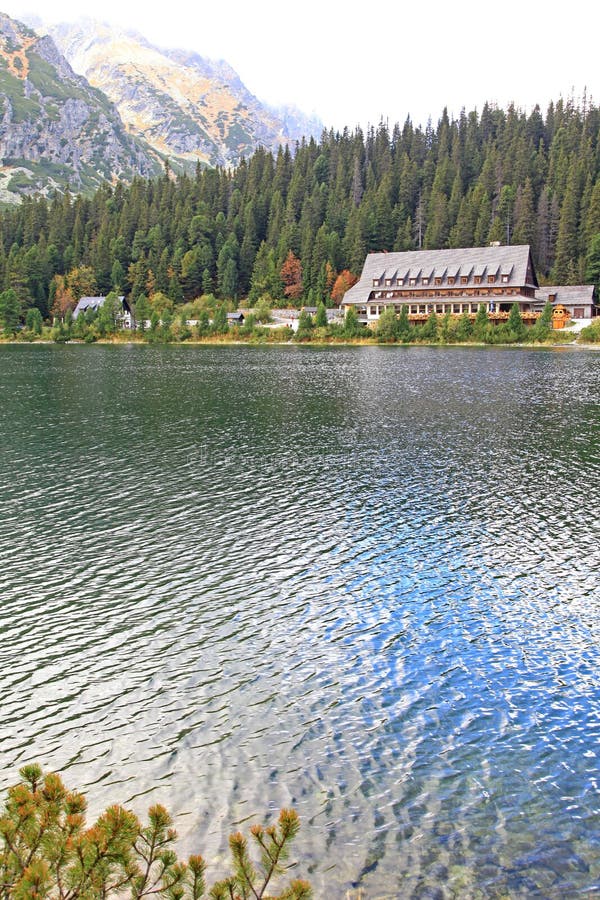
x: 464, y: 279
x: 426, y: 308
x: 471, y: 292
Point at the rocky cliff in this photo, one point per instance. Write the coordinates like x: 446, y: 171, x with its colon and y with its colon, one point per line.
x: 184, y: 106
x: 56, y: 129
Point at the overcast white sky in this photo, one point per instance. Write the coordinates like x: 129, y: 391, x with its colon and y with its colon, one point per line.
x: 355, y: 64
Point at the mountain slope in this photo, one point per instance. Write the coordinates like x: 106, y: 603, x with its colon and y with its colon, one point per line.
x: 183, y: 105
x: 54, y: 127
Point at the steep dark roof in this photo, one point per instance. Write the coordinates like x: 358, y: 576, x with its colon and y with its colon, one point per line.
x: 90, y: 303
x: 512, y: 262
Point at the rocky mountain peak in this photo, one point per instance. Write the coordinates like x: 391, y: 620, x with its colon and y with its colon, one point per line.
x: 183, y: 105
x: 54, y: 128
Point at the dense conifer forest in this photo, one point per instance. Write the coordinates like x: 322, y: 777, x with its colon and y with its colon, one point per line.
x: 296, y: 226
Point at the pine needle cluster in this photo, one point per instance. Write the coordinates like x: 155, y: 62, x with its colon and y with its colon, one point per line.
x: 48, y: 851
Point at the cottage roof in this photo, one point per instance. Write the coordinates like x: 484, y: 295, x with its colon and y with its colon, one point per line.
x: 570, y: 294
x: 94, y: 303
x: 513, y: 261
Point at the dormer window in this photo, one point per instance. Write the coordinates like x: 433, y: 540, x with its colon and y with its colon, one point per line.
x: 412, y: 281
x: 477, y: 279
x: 400, y: 282
x: 491, y: 279
x: 505, y: 279
x: 464, y: 279
x: 426, y: 281
x: 376, y: 282
x: 451, y: 279
x: 437, y: 280
x: 388, y: 282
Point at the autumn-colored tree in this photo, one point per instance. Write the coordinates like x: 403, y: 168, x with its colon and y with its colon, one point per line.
x: 342, y: 283
x: 82, y: 282
x: 291, y: 275
x: 160, y: 303
x: 63, y: 299
x: 67, y: 290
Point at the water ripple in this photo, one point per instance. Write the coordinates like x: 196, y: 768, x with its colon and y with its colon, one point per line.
x: 360, y: 581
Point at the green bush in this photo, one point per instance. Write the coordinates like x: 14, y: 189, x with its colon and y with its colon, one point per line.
x: 591, y: 333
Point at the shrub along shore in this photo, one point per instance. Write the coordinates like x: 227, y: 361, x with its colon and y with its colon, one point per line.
x: 205, y: 321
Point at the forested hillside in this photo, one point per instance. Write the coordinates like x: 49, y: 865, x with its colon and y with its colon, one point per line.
x: 287, y: 225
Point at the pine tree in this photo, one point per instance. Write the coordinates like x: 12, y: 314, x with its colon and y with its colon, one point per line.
x: 481, y: 323
x: 291, y: 276
x: 515, y: 322
x: 566, y: 244
x: 404, y: 326
x: 351, y: 323
x: 592, y: 270
x: 430, y: 328
x: 265, y: 277
x: 219, y: 322
x: 10, y: 311
x: 48, y: 850
x: 592, y: 219
x: 321, y: 316
x: 524, y: 213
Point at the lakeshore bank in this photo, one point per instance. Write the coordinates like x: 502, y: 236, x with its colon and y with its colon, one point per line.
x: 224, y: 340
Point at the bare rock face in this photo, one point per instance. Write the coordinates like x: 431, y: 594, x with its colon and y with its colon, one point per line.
x: 55, y: 129
x: 184, y: 106
x: 87, y: 103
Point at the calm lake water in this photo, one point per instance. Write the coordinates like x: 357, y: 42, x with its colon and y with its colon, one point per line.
x: 360, y: 581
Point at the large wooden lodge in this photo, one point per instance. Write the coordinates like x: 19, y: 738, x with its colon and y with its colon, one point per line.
x: 457, y: 282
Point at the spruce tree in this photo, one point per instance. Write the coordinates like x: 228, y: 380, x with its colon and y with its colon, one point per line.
x: 404, y: 326
x: 515, y: 322
x: 566, y: 244
x: 430, y: 328
x: 481, y: 323
x: 10, y: 311
x: 351, y: 323
x: 592, y: 269
x: 33, y: 320
x: 321, y: 316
